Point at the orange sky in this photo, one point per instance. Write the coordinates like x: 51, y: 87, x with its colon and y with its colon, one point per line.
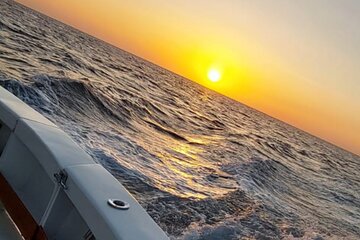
x: 298, y: 61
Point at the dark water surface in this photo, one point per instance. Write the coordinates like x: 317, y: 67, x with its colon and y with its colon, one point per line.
x: 204, y: 166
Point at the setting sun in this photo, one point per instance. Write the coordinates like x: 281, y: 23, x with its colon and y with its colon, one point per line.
x: 214, y: 75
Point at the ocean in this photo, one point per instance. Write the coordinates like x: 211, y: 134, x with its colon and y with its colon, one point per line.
x: 202, y: 165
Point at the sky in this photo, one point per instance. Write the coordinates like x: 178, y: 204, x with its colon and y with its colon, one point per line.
x: 298, y: 61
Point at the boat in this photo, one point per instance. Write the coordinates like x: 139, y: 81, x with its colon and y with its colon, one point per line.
x: 52, y: 189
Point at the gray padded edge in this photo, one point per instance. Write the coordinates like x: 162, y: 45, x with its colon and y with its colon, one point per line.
x: 12, y: 109
x: 53, y: 148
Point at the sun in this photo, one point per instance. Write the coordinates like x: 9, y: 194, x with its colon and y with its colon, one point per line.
x: 214, y: 75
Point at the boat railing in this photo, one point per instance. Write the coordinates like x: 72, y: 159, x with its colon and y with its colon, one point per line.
x: 52, y: 189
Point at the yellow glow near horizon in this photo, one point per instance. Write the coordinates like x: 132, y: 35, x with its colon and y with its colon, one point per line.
x: 214, y: 75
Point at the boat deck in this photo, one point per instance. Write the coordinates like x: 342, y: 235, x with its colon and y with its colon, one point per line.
x: 8, y: 230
